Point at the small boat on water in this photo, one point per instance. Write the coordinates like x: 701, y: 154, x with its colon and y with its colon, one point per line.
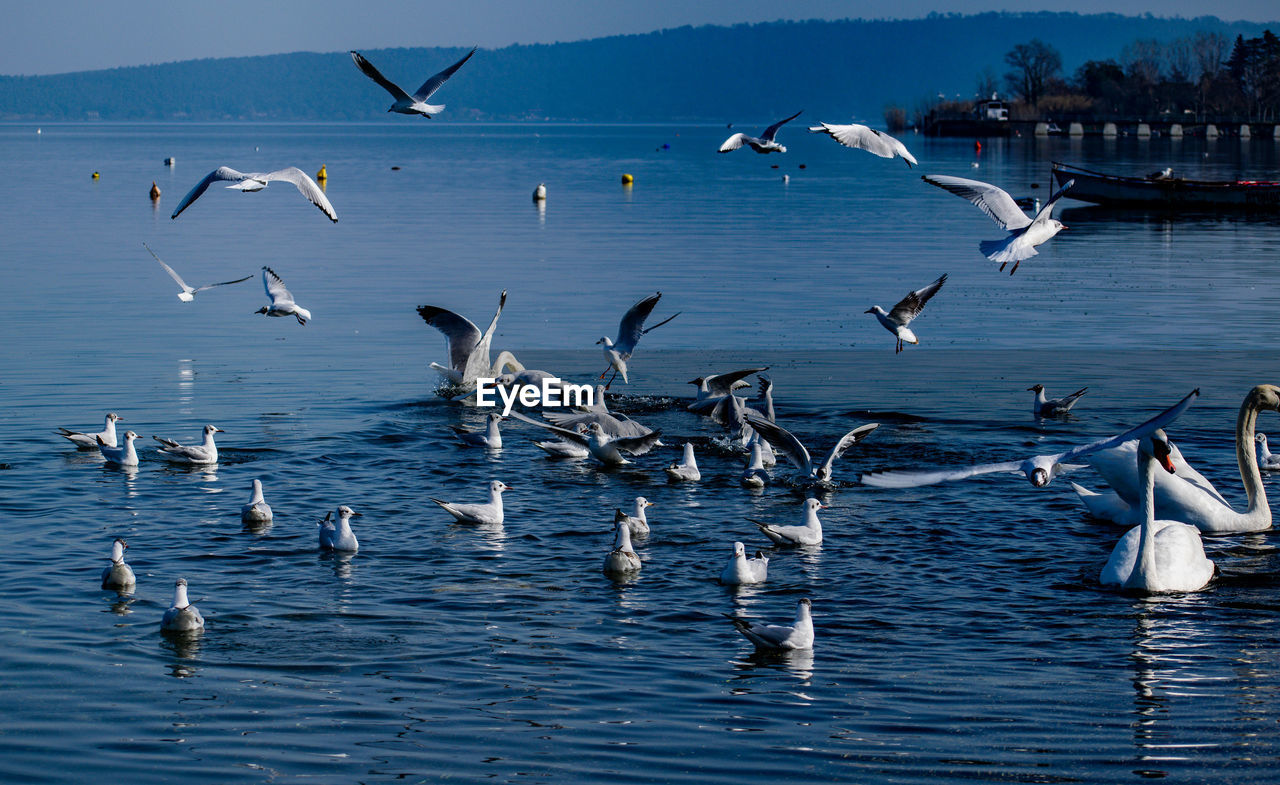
x: 1166, y: 190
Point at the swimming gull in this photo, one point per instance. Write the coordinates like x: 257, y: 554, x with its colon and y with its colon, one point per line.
x: 780, y: 637
x: 1267, y: 460
x: 907, y: 309
x: 338, y: 536
x: 282, y: 303
x: 754, y: 476
x: 1050, y: 407
x: 685, y: 469
x: 810, y: 470
x: 91, y: 440
x: 630, y: 328
x: 490, y: 438
x: 742, y: 570
x: 205, y: 452
x: 257, y: 510
x: 622, y: 560
x: 256, y: 181
x: 489, y: 513
x: 861, y: 137
x: 119, y: 576
x: 764, y: 144
x: 603, y: 447
x: 182, y: 616
x: 809, y: 532
x: 124, y: 455
x: 637, y: 521
x: 416, y: 103
x: 188, y: 293
x: 1024, y: 233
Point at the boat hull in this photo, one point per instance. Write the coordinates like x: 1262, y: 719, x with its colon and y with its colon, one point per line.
x: 1170, y: 193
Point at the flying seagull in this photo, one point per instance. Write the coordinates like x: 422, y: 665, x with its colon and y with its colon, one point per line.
x: 908, y: 308
x: 764, y: 144
x: 282, y: 303
x: 188, y: 293
x: 256, y: 181
x: 861, y: 137
x: 1024, y: 233
x: 416, y: 103
x: 630, y: 328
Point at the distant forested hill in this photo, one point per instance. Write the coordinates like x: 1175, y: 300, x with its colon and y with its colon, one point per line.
x: 833, y: 70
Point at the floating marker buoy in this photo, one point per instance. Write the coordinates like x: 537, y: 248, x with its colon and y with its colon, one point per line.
x: 540, y: 193
x: 39, y: 131
x: 155, y: 191
x: 322, y: 174
x: 395, y: 168
x: 802, y: 166
x: 170, y: 161
x: 95, y: 175
x: 775, y: 166
x: 627, y: 179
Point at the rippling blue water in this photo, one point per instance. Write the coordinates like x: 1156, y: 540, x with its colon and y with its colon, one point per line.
x: 961, y: 634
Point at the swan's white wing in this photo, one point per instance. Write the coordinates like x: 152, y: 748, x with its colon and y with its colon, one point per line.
x: 772, y: 130
x: 733, y: 143
x: 917, y: 479
x: 306, y: 186
x: 376, y: 75
x: 563, y: 433
x: 848, y: 440
x: 460, y: 335
x: 221, y: 173
x: 172, y: 273
x: 1137, y: 432
x: 784, y: 440
x: 724, y: 383
x: 632, y: 325
x: 860, y: 137
x: 911, y: 305
x: 431, y: 85
x: 1046, y: 212
x: 993, y: 201
x: 274, y: 285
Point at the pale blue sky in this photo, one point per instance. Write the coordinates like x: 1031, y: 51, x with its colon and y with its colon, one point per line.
x: 53, y: 36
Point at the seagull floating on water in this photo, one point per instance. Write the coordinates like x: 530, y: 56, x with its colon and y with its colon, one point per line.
x: 188, y: 293
x: 629, y: 331
x: 637, y: 521
x: 182, y: 616
x: 468, y: 348
x: 257, y: 510
x: 119, y: 576
x: 603, y: 447
x: 1024, y: 233
x: 809, y: 532
x: 754, y: 476
x: 416, y: 103
x: 256, y: 181
x: 338, y: 536
x: 1052, y: 407
x: 742, y: 570
x: 861, y: 137
x: 106, y: 436
x: 1040, y: 469
x: 810, y: 470
x: 685, y: 469
x: 908, y: 308
x: 489, y: 513
x: 622, y: 560
x: 124, y: 455
x: 1267, y: 460
x: 490, y: 438
x: 559, y: 448
x: 764, y: 144
x: 282, y: 303
x: 205, y: 452
x: 779, y: 637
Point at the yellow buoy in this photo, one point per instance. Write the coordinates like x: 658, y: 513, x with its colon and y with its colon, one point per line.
x: 627, y: 179
x: 95, y: 175
x: 155, y: 191
x: 322, y: 174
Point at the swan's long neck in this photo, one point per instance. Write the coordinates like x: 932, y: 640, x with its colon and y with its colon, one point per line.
x: 1247, y: 456
x: 1144, y: 567
x: 507, y: 362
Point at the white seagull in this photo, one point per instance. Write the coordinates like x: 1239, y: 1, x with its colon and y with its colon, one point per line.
x: 182, y: 616
x: 125, y: 455
x: 686, y: 468
x: 861, y: 137
x: 188, y: 293
x: 810, y: 470
x: 338, y: 536
x: 1024, y: 233
x: 754, y: 476
x: 1267, y: 460
x: 1040, y: 469
x: 1051, y: 407
x: 468, y: 348
x: 741, y: 570
x: 490, y: 438
x: 713, y: 388
x: 205, y: 452
x: 809, y: 532
x: 90, y: 440
x: 764, y: 144
x: 119, y: 576
x: 256, y: 181
x: 603, y: 447
x: 416, y: 103
x: 622, y: 560
x: 908, y: 308
x: 629, y: 331
x: 489, y: 513
x: 282, y: 303
x: 637, y: 521
x: 257, y: 510
x: 779, y: 637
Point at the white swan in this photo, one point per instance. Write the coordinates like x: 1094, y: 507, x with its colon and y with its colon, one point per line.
x: 182, y: 616
x: 637, y: 521
x: 416, y: 103
x: 1267, y: 460
x: 489, y: 513
x: 88, y: 441
x: 778, y: 637
x: 685, y: 469
x: 1177, y: 499
x: 1157, y: 556
x: 339, y: 537
x: 741, y: 570
x: 808, y: 533
x: 119, y: 576
x: 908, y: 308
x: 257, y: 510
x: 1116, y: 466
x: 256, y: 181
x: 622, y: 560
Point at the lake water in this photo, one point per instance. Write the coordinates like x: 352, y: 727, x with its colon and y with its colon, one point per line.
x: 961, y: 634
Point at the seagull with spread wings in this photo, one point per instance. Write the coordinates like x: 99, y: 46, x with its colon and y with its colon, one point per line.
x: 811, y: 471
x: 861, y: 137
x: 1024, y: 233
x: 468, y: 348
x: 763, y: 144
x: 908, y: 308
x: 188, y: 293
x: 256, y: 181
x: 629, y: 331
x: 416, y: 103
x: 282, y: 303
